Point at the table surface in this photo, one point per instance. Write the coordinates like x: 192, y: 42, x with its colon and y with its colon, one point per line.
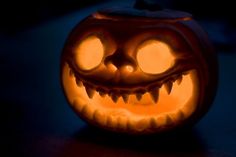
x: 37, y: 121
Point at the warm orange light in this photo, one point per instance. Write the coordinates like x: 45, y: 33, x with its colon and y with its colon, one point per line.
x: 181, y: 94
x: 154, y: 57
x: 171, y: 106
x: 89, y: 53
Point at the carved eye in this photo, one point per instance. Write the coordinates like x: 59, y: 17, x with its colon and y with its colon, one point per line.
x: 154, y: 57
x: 89, y: 53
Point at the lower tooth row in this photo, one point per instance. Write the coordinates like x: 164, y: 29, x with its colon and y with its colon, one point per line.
x: 122, y: 121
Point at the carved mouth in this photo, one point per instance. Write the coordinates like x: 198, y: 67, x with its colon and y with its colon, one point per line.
x: 125, y: 93
x: 158, y: 105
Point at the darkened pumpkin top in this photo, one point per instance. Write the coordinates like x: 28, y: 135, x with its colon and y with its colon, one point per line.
x: 145, y: 13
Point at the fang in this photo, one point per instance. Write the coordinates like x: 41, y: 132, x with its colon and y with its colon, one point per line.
x: 179, y: 80
x: 125, y: 97
x: 168, y: 86
x: 114, y: 97
x: 154, y: 93
x: 139, y: 96
x: 79, y: 83
x: 90, y: 92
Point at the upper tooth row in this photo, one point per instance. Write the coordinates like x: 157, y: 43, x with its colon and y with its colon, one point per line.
x: 153, y: 90
x: 115, y: 94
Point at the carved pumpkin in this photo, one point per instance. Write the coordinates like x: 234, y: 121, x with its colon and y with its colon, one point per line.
x: 135, y: 71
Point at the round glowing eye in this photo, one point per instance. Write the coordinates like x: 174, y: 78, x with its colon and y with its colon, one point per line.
x: 154, y: 57
x: 89, y: 53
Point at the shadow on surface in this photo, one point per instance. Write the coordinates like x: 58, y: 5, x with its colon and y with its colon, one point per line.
x: 93, y: 142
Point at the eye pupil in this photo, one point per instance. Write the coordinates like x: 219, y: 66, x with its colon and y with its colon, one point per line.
x: 89, y: 53
x: 154, y: 57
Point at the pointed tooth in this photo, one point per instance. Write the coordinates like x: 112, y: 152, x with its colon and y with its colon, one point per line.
x: 168, y: 86
x: 142, y: 124
x: 90, y: 91
x: 154, y: 93
x: 130, y: 125
x: 102, y: 93
x: 169, y: 120
x: 114, y: 97
x: 87, y: 111
x: 79, y: 103
x: 185, y: 73
x: 99, y: 117
x: 179, y: 80
x: 153, y: 123
x: 125, y: 97
x: 122, y: 123
x: 111, y: 121
x: 79, y: 83
x: 180, y: 115
x: 71, y: 73
x: 139, y: 96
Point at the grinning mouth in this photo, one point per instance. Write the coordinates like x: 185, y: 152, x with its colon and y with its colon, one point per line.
x: 125, y: 93
x: 157, y: 106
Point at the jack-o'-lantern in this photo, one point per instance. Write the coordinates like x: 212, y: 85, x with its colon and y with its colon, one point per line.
x: 139, y: 71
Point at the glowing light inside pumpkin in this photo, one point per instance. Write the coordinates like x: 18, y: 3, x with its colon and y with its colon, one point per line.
x: 167, y: 103
x: 89, y: 53
x: 154, y: 57
x: 139, y: 114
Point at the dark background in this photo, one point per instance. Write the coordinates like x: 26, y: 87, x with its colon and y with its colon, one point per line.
x: 35, y: 119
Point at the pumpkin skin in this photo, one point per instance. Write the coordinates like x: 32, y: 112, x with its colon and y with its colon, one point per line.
x: 128, y: 71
